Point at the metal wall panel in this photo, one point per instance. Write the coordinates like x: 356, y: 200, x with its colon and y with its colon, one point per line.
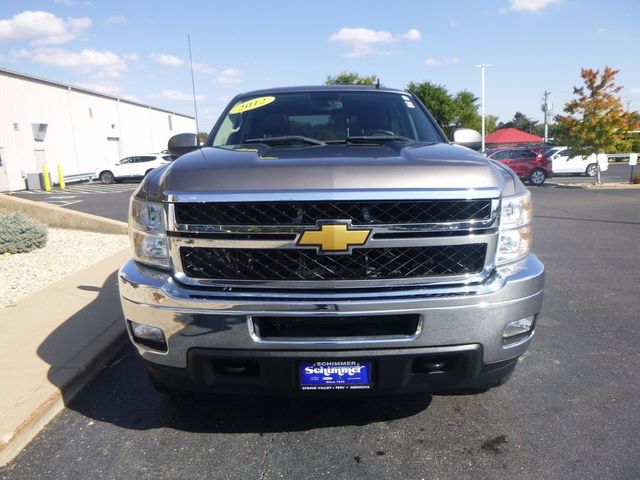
x: 79, y: 124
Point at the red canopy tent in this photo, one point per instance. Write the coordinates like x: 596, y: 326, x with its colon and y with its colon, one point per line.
x: 507, y: 137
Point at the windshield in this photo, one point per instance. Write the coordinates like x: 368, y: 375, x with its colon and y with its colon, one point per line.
x: 325, y: 116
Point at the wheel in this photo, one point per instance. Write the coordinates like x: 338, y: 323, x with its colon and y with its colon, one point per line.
x: 164, y: 389
x: 107, y: 177
x: 537, y: 176
x: 592, y: 170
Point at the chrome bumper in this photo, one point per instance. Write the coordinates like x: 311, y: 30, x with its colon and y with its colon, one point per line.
x: 189, y: 320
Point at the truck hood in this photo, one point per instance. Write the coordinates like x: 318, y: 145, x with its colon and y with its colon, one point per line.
x: 396, y: 165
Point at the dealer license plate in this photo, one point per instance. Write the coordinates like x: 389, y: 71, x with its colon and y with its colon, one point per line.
x: 335, y: 375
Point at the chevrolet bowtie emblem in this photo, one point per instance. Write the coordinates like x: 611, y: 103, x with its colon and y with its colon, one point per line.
x: 334, y: 238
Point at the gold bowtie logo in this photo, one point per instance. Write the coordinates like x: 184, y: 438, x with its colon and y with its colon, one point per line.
x: 336, y: 238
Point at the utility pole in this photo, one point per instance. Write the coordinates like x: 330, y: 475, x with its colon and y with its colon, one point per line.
x: 545, y: 110
x: 482, y: 67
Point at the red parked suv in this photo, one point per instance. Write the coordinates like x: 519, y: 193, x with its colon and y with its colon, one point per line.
x: 528, y: 163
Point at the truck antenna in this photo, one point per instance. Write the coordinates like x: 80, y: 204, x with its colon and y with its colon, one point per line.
x: 193, y: 86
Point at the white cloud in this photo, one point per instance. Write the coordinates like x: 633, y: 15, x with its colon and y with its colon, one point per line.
x: 602, y: 29
x: 115, y: 19
x: 635, y: 90
x: 412, y: 35
x: 166, y: 59
x: 441, y: 61
x: 363, y: 41
x: 529, y: 6
x: 453, y: 23
x: 131, y: 56
x: 229, y: 76
x: 42, y: 28
x: 95, y: 63
x: 68, y: 3
x: 176, y: 95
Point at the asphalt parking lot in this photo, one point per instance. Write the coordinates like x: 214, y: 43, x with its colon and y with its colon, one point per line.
x: 570, y: 410
x: 112, y: 201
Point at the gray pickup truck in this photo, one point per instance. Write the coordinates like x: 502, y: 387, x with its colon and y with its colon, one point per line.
x: 330, y: 240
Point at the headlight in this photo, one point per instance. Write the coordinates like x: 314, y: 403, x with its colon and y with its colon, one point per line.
x: 147, y: 233
x: 515, y: 228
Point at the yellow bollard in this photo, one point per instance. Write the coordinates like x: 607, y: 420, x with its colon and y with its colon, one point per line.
x: 47, y: 183
x: 60, y: 177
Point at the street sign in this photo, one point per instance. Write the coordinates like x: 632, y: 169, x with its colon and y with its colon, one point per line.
x: 633, y: 159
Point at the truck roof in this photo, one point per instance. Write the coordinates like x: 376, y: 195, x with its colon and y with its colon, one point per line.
x: 320, y: 88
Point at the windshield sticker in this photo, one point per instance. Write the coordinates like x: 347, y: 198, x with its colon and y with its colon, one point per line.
x: 252, y: 104
x: 409, y: 104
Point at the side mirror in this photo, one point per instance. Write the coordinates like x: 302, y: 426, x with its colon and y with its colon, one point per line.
x: 183, y: 143
x: 467, y: 138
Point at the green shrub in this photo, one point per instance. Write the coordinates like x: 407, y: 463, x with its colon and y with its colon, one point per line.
x: 20, y: 234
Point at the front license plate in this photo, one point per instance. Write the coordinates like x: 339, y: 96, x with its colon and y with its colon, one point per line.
x: 335, y: 375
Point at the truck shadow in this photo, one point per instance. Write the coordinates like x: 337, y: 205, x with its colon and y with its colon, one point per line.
x: 121, y: 394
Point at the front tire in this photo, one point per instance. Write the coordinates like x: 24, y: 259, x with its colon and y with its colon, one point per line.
x: 107, y: 178
x: 537, y: 176
x: 592, y: 170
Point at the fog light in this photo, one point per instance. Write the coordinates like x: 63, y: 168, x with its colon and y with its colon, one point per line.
x: 151, y: 337
x: 517, y: 329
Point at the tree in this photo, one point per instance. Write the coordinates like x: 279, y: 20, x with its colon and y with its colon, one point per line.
x: 595, y: 120
x: 490, y: 124
x: 452, y: 111
x: 558, y: 133
x: 437, y: 99
x: 351, y: 78
x: 522, y: 122
x: 466, y: 110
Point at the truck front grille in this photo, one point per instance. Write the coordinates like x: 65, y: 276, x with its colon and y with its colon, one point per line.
x: 362, y: 264
x: 395, y: 212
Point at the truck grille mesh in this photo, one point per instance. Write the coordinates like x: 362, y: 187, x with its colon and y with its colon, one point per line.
x: 363, y: 263
x: 306, y: 213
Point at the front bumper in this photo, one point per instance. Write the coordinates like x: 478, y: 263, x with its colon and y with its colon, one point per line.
x: 197, y: 326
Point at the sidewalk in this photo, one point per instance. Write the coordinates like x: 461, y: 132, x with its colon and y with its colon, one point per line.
x: 52, y: 343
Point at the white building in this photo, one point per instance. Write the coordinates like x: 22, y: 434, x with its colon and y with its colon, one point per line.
x: 47, y: 122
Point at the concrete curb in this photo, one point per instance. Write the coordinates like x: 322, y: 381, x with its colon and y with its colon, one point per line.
x: 75, y: 326
x: 593, y: 186
x: 56, y: 216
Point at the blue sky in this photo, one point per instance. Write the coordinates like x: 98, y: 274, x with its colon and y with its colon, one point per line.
x: 139, y: 49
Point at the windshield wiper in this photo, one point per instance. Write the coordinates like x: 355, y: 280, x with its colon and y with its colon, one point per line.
x: 286, y: 140
x: 377, y: 139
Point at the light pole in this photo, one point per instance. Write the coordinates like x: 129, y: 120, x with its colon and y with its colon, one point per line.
x: 482, y: 68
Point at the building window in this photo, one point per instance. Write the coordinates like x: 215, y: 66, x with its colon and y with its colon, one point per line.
x: 170, y: 122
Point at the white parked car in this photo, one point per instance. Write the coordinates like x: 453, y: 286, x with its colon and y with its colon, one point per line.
x: 563, y: 161
x: 133, y: 167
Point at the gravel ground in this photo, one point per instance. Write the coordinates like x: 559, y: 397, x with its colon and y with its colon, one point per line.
x: 66, y: 251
